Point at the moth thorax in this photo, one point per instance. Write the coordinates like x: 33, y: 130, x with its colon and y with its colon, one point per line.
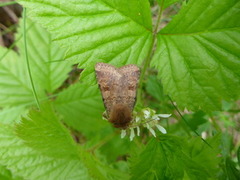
x: 120, y: 116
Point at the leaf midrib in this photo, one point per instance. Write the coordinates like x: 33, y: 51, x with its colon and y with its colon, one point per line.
x: 124, y: 15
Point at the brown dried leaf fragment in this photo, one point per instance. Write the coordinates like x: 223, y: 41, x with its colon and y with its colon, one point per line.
x: 119, y: 89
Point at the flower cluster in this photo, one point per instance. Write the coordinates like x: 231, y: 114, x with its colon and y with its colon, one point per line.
x: 146, y: 118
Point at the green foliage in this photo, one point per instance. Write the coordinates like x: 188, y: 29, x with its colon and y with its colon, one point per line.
x: 14, y: 85
x: 43, y: 131
x: 84, y: 104
x: 48, y: 75
x: 42, y: 142
x: 12, y: 114
x: 5, y: 174
x: 196, y: 63
x: 129, y: 37
x: 154, y: 88
x: 166, y: 3
x: 195, y: 120
x: 232, y: 172
x: 197, y: 54
x: 29, y: 163
x: 127, y: 25
x: 238, y: 155
x: 47, y: 63
x: 170, y: 158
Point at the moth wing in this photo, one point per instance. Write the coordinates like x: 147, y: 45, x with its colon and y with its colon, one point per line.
x: 131, y: 74
x: 106, y: 77
x: 129, y: 69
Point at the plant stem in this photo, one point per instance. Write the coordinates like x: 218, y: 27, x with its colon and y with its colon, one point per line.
x: 149, y: 55
x: 27, y: 60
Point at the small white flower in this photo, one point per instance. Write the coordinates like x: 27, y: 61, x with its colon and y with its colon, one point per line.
x: 147, y: 118
x: 132, y: 134
x: 123, y: 133
x: 151, y: 130
x: 155, y: 117
x: 161, y: 129
x: 147, y: 125
x: 138, y: 131
x: 146, y: 113
x: 164, y: 115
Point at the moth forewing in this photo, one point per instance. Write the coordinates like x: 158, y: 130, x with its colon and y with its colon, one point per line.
x: 118, y: 88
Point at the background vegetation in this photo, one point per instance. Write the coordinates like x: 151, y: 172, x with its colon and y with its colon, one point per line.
x: 51, y: 123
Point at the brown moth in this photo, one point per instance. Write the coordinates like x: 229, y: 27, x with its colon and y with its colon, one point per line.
x: 119, y: 88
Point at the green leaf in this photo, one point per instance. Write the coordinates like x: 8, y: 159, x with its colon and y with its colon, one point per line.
x: 154, y: 88
x: 116, y: 32
x: 169, y: 157
x: 196, y: 119
x: 49, y: 70
x: 226, y: 144
x: 197, y: 54
x: 202, y: 158
x: 11, y: 115
x: 166, y: 3
x: 14, y: 85
x: 15, y: 88
x: 238, y: 155
x: 6, y: 174
x: 30, y: 164
x: 151, y: 2
x: 116, y: 148
x: 43, y: 131
x: 232, y: 172
x: 82, y: 107
x: 53, y: 150
x: 155, y: 162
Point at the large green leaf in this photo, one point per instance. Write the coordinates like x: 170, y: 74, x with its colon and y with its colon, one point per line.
x: 117, y: 32
x: 11, y: 115
x: 6, y: 174
x: 49, y: 69
x: 82, y: 107
x: 47, y: 75
x: 170, y: 157
x: 30, y: 164
x: 14, y: 84
x: 48, y: 148
x: 154, y: 88
x: 232, y: 172
x: 198, y: 56
x: 43, y: 131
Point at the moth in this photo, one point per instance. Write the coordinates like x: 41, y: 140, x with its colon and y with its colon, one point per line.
x: 119, y: 89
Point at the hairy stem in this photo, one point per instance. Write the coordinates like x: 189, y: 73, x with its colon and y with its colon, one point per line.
x: 149, y: 55
x: 27, y: 60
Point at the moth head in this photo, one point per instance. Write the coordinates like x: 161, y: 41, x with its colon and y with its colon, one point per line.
x: 120, y: 116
